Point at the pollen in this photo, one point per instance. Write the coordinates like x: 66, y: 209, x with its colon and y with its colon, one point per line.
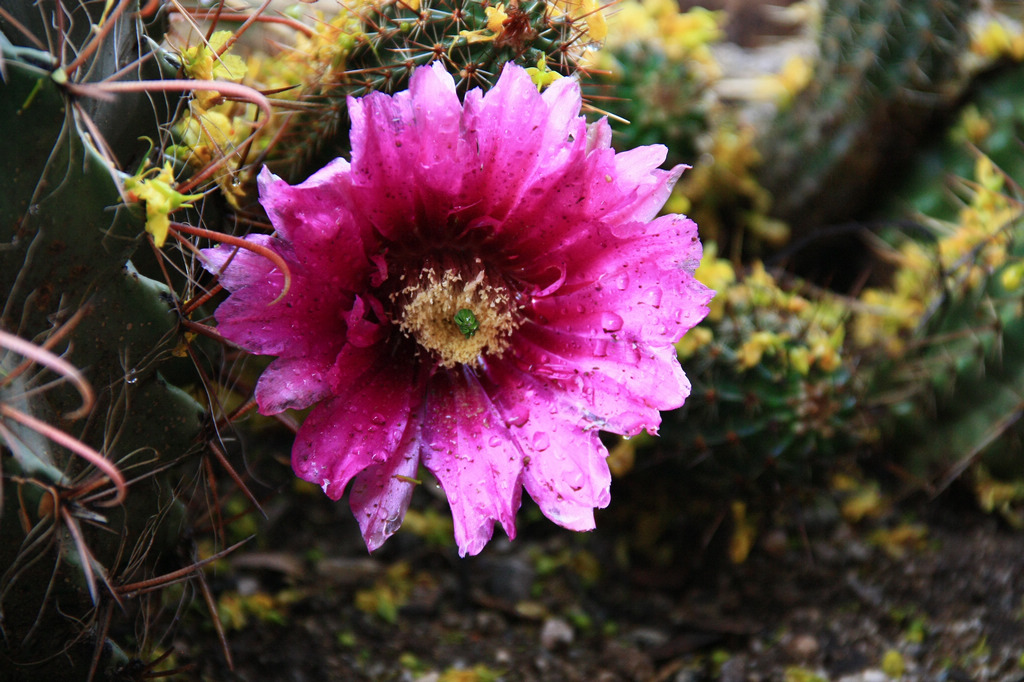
x: 427, y: 310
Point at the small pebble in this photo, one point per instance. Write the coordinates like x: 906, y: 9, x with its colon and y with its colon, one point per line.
x: 554, y: 633
x: 802, y: 647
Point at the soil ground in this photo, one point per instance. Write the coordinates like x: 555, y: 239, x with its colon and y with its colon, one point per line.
x: 928, y: 591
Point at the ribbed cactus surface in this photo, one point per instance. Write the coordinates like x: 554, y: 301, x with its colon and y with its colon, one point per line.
x: 885, y: 70
x: 67, y: 284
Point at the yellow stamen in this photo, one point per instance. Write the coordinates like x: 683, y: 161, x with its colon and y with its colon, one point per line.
x: 427, y: 309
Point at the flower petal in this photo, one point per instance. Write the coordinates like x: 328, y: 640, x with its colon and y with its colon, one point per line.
x: 407, y: 155
x: 305, y: 323
x: 639, y: 289
x: 564, y: 465
x: 381, y: 493
x: 314, y: 217
x: 622, y: 384
x: 293, y: 383
x: 470, y: 452
x: 522, y: 140
x: 569, y: 219
x: 363, y: 424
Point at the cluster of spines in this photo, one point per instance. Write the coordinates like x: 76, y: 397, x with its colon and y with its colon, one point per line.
x: 473, y: 38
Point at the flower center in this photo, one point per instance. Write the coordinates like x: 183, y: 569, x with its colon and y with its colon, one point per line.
x: 456, y: 314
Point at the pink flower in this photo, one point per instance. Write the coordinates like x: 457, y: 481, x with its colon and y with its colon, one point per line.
x: 511, y: 213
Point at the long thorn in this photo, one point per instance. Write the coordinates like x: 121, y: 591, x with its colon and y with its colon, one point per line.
x: 248, y: 246
x: 57, y: 364
x: 135, y: 589
x: 78, y: 447
x: 227, y: 89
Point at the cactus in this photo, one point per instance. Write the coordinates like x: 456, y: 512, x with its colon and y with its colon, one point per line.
x: 886, y: 69
x: 653, y: 74
x: 773, y: 397
x: 69, y: 539
x: 960, y: 364
x: 925, y: 369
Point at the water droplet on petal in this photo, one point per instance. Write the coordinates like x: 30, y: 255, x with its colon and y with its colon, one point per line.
x: 600, y: 347
x: 652, y: 297
x: 378, y: 419
x: 541, y: 441
x: 611, y: 322
x: 392, y: 524
x: 494, y: 441
x: 379, y: 457
x: 622, y: 281
x: 574, y: 479
x: 518, y: 415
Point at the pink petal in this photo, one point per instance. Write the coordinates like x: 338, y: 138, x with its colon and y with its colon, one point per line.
x: 362, y: 425
x: 638, y: 177
x: 293, y: 383
x: 469, y: 451
x: 623, y: 384
x: 305, y: 323
x: 564, y: 465
x: 379, y: 498
x: 406, y: 153
x: 522, y: 138
x: 639, y: 290
x: 238, y: 268
x: 315, y: 219
x: 599, y: 194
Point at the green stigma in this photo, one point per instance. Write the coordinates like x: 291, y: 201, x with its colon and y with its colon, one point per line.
x: 466, y: 321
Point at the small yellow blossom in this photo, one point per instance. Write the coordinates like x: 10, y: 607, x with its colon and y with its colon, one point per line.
x: 207, y: 135
x: 161, y: 199
x: 898, y: 541
x: 682, y: 35
x: 973, y: 127
x: 1012, y: 276
x: 754, y: 348
x: 590, y: 11
x: 997, y: 39
x: 496, y: 18
x: 779, y: 87
x: 718, y: 274
x: 694, y: 340
x: 866, y: 502
x: 893, y: 664
x: 201, y: 62
x: 744, y: 533
x: 800, y: 360
x: 541, y: 75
